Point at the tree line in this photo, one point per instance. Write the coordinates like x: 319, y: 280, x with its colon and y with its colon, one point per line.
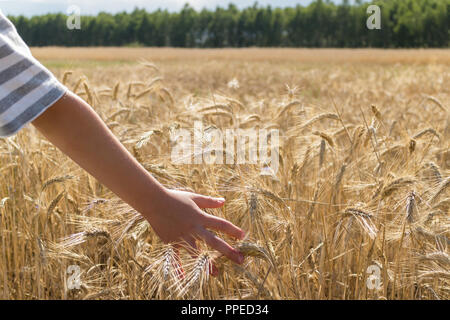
x: 322, y: 23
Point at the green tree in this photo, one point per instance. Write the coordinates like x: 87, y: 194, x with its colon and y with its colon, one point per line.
x: 322, y: 23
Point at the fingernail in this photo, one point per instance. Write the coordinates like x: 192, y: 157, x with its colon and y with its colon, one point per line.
x: 220, y: 199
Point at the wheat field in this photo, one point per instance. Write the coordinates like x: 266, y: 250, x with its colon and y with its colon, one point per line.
x: 359, y: 208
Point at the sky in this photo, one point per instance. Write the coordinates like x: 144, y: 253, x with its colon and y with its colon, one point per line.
x: 37, y: 7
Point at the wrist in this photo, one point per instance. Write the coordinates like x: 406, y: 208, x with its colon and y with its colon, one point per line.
x: 155, y: 201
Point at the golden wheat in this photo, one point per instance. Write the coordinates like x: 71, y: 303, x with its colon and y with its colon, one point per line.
x: 348, y: 193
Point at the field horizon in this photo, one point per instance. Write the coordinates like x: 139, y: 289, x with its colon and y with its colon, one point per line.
x: 329, y: 55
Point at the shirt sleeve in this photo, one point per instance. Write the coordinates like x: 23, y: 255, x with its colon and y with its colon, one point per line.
x: 27, y: 88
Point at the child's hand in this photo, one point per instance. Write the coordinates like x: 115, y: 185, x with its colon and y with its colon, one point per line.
x: 174, y: 215
x: 177, y: 216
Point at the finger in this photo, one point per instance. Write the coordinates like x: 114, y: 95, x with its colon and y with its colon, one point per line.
x: 207, y: 202
x: 189, y: 244
x: 225, y: 226
x: 193, y: 251
x: 177, y: 263
x: 213, y: 269
x: 220, y: 245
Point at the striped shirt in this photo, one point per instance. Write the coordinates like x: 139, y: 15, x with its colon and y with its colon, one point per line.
x: 27, y: 88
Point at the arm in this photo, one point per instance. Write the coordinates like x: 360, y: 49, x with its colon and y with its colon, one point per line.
x: 74, y: 127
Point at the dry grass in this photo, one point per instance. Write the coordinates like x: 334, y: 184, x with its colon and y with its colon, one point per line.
x: 352, y: 190
x: 441, y: 56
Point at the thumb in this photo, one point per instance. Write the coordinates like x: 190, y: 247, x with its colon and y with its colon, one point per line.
x: 207, y: 202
